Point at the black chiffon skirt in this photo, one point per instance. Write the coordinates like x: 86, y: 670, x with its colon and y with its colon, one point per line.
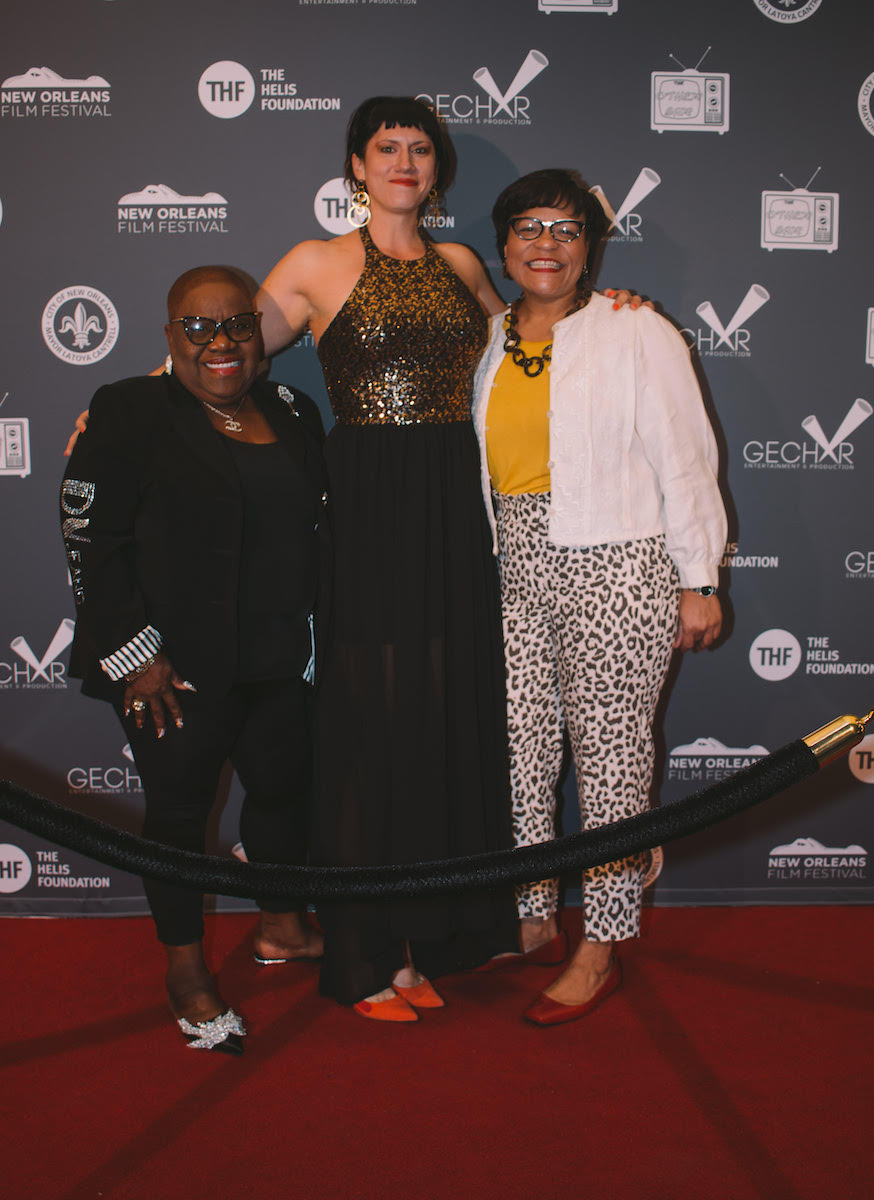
x: 411, y: 748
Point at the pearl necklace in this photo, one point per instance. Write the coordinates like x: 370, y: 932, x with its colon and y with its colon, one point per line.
x: 232, y: 425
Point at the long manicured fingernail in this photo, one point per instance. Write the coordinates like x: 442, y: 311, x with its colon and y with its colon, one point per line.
x: 179, y: 722
x: 189, y: 687
x: 615, y: 307
x: 161, y: 733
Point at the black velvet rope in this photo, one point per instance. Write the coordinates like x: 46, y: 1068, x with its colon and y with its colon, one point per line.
x: 264, y: 881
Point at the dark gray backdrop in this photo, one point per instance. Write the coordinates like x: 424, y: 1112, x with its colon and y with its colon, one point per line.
x: 772, y: 286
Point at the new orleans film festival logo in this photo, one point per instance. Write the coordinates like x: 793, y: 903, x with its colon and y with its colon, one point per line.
x: 808, y: 859
x: 32, y: 671
x: 42, y: 92
x: 331, y: 204
x: 157, y: 208
x: 866, y: 95
x: 14, y: 443
x: 709, y: 758
x: 690, y: 101
x: 626, y: 222
x: 578, y: 6
x: 817, y: 452
x: 80, y: 325
x: 800, y: 219
x: 510, y: 107
x: 227, y: 89
x: 734, y: 336
x: 788, y: 12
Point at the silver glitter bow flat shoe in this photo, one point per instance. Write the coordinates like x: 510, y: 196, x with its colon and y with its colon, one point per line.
x: 224, y: 1032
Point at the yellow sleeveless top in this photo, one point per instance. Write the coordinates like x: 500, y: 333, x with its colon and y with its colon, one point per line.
x: 517, y: 428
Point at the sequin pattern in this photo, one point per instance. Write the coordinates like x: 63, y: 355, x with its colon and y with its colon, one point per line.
x: 403, y: 348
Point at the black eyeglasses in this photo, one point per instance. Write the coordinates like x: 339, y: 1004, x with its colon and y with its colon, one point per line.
x: 529, y: 229
x: 203, y: 330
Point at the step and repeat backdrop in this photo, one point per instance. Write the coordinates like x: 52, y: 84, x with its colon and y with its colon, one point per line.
x: 735, y: 146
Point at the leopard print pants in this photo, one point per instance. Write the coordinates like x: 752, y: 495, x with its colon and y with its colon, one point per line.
x: 588, y: 635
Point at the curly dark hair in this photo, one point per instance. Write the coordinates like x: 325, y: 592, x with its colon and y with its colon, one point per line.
x: 556, y: 187
x: 392, y: 111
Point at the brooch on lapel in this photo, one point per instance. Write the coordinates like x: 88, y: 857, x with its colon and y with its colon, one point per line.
x: 287, y: 395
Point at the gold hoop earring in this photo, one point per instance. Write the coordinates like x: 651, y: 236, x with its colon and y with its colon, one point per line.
x: 434, y: 210
x: 358, y: 213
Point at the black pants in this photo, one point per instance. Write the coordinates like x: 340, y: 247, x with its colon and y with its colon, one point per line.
x: 265, y: 731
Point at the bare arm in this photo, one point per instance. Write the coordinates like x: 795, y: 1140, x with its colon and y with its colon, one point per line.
x: 286, y: 296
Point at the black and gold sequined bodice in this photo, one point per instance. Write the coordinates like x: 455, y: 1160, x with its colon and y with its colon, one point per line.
x: 403, y: 348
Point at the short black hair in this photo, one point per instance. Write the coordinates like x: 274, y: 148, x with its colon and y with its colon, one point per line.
x: 555, y: 187
x: 207, y: 274
x: 392, y: 111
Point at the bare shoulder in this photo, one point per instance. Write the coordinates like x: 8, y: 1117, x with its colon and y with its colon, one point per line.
x: 462, y: 260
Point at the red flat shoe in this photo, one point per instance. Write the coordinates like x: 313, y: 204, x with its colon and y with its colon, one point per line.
x: 547, y: 954
x: 422, y: 995
x: 546, y: 1011
x: 393, y: 1009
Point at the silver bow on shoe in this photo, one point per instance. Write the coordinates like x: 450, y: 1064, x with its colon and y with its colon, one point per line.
x: 206, y: 1035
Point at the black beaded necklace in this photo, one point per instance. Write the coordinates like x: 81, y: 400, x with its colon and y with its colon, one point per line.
x: 532, y: 364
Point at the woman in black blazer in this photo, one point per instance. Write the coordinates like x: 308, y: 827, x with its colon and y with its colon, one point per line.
x: 193, y: 518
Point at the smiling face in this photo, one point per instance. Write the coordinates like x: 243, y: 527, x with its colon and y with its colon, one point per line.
x: 398, y: 169
x: 544, y: 268
x: 222, y: 371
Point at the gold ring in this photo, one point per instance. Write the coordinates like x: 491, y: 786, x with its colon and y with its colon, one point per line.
x: 138, y: 705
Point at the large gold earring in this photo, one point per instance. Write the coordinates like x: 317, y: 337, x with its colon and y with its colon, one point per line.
x: 434, y: 210
x: 358, y: 213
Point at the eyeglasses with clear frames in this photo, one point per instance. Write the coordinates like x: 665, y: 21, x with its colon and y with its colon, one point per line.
x: 203, y: 330
x: 563, y: 229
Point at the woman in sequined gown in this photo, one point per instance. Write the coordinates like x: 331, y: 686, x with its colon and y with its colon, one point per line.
x: 411, y: 728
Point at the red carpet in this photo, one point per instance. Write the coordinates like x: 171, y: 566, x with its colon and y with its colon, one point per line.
x: 735, y: 1063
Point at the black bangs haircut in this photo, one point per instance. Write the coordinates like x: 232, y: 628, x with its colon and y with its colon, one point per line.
x: 552, y: 188
x: 392, y: 111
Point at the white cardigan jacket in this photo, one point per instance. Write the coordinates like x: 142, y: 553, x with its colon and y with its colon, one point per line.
x: 632, y: 454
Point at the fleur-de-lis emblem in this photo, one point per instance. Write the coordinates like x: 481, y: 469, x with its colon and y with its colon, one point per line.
x: 80, y: 325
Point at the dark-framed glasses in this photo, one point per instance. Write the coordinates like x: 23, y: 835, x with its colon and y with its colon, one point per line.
x: 203, y: 330
x: 529, y: 229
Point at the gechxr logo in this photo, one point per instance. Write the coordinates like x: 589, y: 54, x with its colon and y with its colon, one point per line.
x: 157, y: 208
x: 42, y: 92
x: 788, y: 12
x: 29, y: 671
x: 495, y: 107
x: 102, y: 780
x: 626, y: 224
x: 692, y: 101
x: 817, y: 451
x: 800, y: 219
x: 734, y: 336
x: 80, y: 325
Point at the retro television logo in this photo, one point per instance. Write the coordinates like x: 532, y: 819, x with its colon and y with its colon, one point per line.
x: 692, y: 101
x: 578, y: 6
x: 626, y: 220
x: 14, y: 445
x: 869, y: 340
x: 800, y: 219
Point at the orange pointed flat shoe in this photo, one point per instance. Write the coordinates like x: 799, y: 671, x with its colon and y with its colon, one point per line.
x: 394, y: 1009
x: 422, y: 995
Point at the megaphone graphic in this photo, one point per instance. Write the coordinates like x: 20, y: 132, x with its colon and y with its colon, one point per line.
x: 647, y: 180
x: 534, y: 63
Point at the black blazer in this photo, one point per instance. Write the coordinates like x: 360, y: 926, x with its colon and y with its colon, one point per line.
x: 152, y: 520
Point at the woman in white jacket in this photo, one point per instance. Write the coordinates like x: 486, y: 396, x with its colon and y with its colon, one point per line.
x: 599, y: 473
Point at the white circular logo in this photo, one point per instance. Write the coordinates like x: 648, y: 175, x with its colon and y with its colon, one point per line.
x: 775, y: 654
x: 861, y: 759
x: 15, y: 868
x: 865, y: 110
x: 226, y: 89
x: 80, y: 325
x: 331, y: 205
x: 788, y: 12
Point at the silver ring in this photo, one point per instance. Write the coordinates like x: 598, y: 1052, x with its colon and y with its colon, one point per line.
x: 138, y: 705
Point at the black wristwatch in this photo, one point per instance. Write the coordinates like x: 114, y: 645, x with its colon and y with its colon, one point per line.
x: 705, y: 591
